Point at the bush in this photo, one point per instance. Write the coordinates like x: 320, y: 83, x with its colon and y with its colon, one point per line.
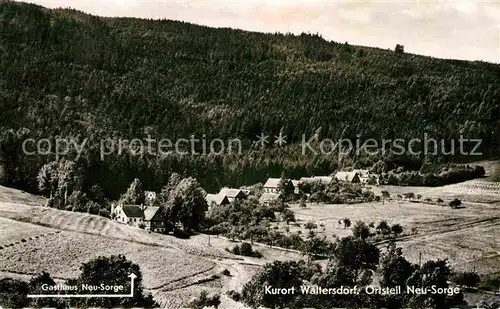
x: 234, y: 295
x: 455, y: 203
x: 142, y: 226
x: 205, y: 301
x: 181, y: 234
x: 23, y: 240
x: 468, y: 278
x: 236, y: 250
x: 226, y: 272
x: 246, y: 249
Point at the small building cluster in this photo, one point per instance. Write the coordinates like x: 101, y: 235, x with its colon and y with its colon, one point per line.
x: 225, y: 196
x: 147, y: 217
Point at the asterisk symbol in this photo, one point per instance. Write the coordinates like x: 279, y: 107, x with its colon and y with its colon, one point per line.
x: 280, y: 139
x: 262, y: 140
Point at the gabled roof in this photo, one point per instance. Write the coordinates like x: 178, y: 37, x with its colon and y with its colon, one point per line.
x: 217, y: 199
x: 362, y: 173
x: 267, y: 197
x: 323, y: 179
x: 345, y: 176
x: 150, y: 212
x: 272, y: 183
x: 133, y: 211
x: 306, y: 179
x: 231, y: 193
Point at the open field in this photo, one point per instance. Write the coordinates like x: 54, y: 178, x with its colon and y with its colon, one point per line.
x: 62, y: 253
x: 15, y: 232
x: 467, y: 236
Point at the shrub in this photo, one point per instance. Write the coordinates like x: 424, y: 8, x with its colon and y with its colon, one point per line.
x: 468, y: 278
x: 142, y: 226
x: 246, y: 249
x: 234, y: 295
x: 236, y: 250
x: 226, y: 272
x: 181, y: 234
x: 205, y: 301
x: 23, y: 240
x: 455, y: 203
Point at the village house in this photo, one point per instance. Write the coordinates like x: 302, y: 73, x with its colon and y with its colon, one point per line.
x: 267, y: 198
x: 232, y: 194
x: 216, y: 199
x: 364, y: 175
x: 326, y: 180
x: 348, y: 177
x: 147, y: 217
x: 225, y: 196
x: 272, y: 185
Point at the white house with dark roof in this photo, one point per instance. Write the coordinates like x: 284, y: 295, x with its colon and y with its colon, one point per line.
x: 231, y: 194
x: 326, y: 180
x: 216, y: 199
x: 138, y: 215
x: 347, y: 176
x: 271, y: 185
x: 364, y: 175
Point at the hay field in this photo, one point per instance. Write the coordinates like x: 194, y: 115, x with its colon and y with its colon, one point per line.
x: 15, y: 232
x: 469, y: 236
x: 62, y: 253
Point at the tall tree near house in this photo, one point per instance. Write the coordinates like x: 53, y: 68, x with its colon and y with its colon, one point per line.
x: 48, y: 178
x: 166, y: 191
x: 68, y: 178
x: 186, y: 205
x: 135, y: 193
x: 285, y: 187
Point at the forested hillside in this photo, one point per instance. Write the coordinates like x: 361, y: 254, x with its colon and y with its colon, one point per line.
x: 64, y: 73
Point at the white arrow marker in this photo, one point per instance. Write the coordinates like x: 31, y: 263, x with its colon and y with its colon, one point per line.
x: 132, y: 277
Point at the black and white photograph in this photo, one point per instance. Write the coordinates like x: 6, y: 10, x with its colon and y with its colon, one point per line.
x: 250, y: 154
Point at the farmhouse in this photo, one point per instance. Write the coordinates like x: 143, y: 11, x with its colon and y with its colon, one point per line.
x: 231, y: 194
x: 347, y: 176
x: 271, y: 185
x: 364, y: 175
x: 326, y: 180
x: 138, y: 215
x: 267, y: 198
x: 216, y: 199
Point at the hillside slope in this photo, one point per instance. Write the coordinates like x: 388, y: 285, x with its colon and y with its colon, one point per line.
x: 66, y: 74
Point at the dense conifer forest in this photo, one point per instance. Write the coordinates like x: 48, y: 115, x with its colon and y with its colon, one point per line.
x: 64, y: 73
